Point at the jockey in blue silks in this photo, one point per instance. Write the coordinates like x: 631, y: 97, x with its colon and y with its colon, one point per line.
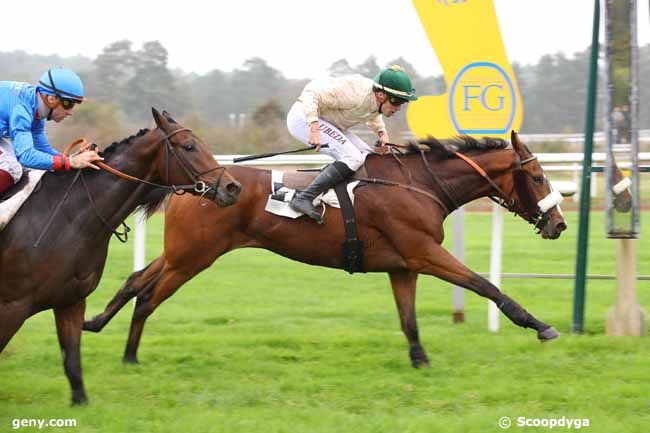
x: 24, y: 108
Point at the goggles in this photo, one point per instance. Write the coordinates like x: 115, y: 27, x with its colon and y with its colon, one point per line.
x: 67, y: 104
x: 396, y: 101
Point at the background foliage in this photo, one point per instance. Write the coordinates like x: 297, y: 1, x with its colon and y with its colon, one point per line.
x: 243, y: 110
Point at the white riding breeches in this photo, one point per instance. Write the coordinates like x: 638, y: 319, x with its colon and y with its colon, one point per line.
x: 343, y: 145
x: 8, y: 161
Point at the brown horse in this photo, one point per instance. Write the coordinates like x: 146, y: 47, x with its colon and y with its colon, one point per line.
x: 67, y: 265
x: 399, y: 218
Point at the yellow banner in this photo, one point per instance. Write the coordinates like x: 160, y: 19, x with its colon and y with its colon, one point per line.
x: 482, y: 95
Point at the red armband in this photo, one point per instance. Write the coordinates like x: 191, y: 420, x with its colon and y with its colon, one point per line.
x: 57, y: 162
x: 67, y: 163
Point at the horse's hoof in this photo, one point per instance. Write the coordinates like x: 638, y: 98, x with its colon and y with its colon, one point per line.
x: 79, y: 399
x: 418, y: 357
x: 130, y: 360
x: 420, y: 363
x: 548, y: 334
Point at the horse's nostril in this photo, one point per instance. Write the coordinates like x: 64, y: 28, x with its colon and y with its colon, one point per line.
x: 561, y: 227
x: 233, y: 188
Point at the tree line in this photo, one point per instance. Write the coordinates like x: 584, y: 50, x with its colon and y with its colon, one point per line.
x: 124, y: 81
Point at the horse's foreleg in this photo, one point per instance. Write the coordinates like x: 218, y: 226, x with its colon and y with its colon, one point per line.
x: 69, y: 321
x: 166, y: 285
x: 403, y: 283
x: 138, y: 282
x: 12, y: 317
x: 440, y: 263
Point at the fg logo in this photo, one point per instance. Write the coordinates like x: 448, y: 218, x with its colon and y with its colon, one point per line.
x: 482, y: 100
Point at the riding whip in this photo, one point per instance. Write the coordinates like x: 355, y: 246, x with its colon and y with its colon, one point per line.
x: 268, y: 155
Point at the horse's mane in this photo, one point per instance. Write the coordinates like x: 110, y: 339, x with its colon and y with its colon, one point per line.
x: 156, y: 197
x: 113, y: 147
x: 445, y: 148
x: 154, y: 200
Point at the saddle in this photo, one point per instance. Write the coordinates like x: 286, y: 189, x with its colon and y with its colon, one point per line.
x: 284, y: 185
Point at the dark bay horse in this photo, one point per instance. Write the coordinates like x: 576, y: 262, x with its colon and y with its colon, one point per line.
x: 399, y: 220
x: 68, y: 263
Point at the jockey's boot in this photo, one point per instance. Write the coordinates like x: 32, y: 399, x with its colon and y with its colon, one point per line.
x: 331, y: 176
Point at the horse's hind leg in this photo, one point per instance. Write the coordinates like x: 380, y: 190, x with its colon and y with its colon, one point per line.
x: 440, y: 263
x: 166, y: 285
x: 69, y: 321
x: 138, y: 282
x: 403, y: 284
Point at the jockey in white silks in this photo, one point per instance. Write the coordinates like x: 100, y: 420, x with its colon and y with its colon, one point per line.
x: 325, y: 111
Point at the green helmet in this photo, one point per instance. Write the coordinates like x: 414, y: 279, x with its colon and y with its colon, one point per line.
x: 395, y: 82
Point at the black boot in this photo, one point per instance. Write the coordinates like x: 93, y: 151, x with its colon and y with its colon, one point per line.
x: 331, y: 176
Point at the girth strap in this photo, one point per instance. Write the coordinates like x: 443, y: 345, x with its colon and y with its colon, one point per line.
x: 352, y: 247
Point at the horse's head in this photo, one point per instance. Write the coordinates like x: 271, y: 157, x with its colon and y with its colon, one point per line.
x: 186, y: 161
x: 532, y: 197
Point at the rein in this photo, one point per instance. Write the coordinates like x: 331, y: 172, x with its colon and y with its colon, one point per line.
x: 199, y: 186
x: 537, y: 219
x: 502, y: 199
x: 406, y: 187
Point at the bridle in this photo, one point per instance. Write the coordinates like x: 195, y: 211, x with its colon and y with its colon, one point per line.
x: 544, y: 206
x: 538, y: 219
x: 199, y: 186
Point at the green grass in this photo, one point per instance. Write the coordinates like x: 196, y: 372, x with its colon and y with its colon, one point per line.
x: 260, y: 343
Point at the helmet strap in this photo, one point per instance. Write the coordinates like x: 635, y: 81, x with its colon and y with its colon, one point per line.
x: 44, y: 108
x: 381, y: 104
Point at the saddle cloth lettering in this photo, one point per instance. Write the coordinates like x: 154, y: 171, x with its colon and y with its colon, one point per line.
x: 278, y: 201
x: 26, y: 186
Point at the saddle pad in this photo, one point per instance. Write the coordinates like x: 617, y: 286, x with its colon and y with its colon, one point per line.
x: 9, y: 207
x: 281, y: 195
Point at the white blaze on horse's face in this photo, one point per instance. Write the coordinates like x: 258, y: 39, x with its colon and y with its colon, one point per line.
x: 551, y: 200
x: 621, y: 186
x: 545, y: 207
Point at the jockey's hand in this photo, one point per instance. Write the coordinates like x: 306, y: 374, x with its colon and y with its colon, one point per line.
x: 314, y: 139
x: 380, y: 146
x: 85, y: 145
x: 85, y: 159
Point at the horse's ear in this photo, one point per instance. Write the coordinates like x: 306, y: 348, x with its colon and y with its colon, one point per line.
x: 161, y: 122
x: 516, y: 144
x: 168, y: 116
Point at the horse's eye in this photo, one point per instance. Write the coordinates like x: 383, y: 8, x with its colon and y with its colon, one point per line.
x: 189, y: 147
x: 538, y: 179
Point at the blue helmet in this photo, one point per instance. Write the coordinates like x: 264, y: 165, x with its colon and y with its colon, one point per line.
x: 63, y: 83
